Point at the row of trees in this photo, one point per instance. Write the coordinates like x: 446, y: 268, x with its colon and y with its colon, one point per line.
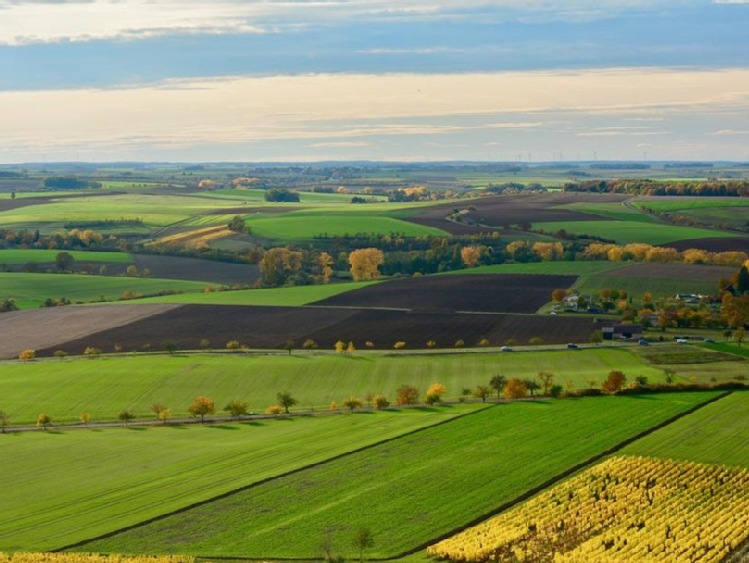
x: 642, y: 186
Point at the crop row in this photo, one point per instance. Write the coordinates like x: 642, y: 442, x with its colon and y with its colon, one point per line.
x: 624, y: 509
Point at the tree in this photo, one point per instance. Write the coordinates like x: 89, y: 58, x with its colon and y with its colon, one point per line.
x: 27, y: 355
x: 738, y: 335
x: 273, y: 409
x: 237, y: 225
x: 558, y: 295
x: 614, y: 381
x: 742, y: 280
x: 532, y: 385
x: 233, y: 345
x: 281, y: 195
x: 547, y: 379
x: 236, y: 409
x: 125, y: 416
x: 497, y: 382
x: 64, y: 261
x: 515, y: 389
x: 202, y: 406
x: 279, y: 265
x: 470, y: 256
x: 92, y: 352
x: 380, y: 402
x: 362, y: 540
x: 435, y: 393
x: 309, y: 344
x: 157, y: 409
x: 365, y: 263
x: 60, y: 354
x: 205, y: 344
x: 325, y: 262
x: 286, y: 400
x: 482, y: 392
x: 399, y: 345
x: 536, y: 341
x: 170, y: 346
x: 350, y: 349
x: 85, y: 417
x: 406, y: 395
x: 339, y: 346
x: 43, y: 421
x: 352, y: 403
x: 289, y: 345
x: 4, y: 421
x: 596, y: 337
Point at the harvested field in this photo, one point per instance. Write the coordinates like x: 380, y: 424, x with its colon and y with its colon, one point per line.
x: 688, y: 272
x: 487, y: 293
x: 739, y: 244
x: 271, y: 327
x: 49, y: 328
x: 195, y: 269
x: 512, y: 209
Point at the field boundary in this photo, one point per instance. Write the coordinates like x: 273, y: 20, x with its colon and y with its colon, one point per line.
x: 264, y: 481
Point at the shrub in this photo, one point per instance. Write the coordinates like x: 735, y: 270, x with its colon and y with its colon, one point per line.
x: 380, y: 402
x: 233, y: 345
x: 614, y: 382
x: 399, y: 345
x: 274, y: 409
x: 407, y: 395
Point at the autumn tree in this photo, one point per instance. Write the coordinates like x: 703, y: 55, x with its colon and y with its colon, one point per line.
x: 558, y: 295
x: 497, y: 382
x: 202, y: 406
x: 125, y: 416
x: 340, y: 346
x: 435, y: 392
x: 27, y: 355
x: 532, y: 385
x: 279, y: 265
x: 43, y: 420
x: 365, y: 263
x: 406, y: 395
x: 482, y: 392
x: 735, y: 310
x: 309, y: 344
x: 615, y: 381
x: 515, y: 389
x: 285, y: 400
x: 325, y: 262
x: 60, y: 354
x: 236, y: 409
x: 352, y: 403
x: 85, y: 417
x: 380, y: 402
x: 350, y: 349
x: 4, y: 421
x: 156, y: 409
x: 470, y: 256
x: 547, y: 380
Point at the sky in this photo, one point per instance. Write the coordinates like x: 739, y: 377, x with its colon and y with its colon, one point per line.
x: 407, y: 80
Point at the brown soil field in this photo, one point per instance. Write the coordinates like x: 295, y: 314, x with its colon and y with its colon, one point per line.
x: 271, y: 327
x: 48, y: 329
x: 195, y: 269
x: 676, y: 271
x: 512, y: 293
x: 740, y: 244
x: 509, y: 209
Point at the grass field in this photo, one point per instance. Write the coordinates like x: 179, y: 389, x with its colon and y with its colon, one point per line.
x: 631, y: 231
x: 550, y: 268
x: 41, y: 256
x: 636, y: 286
x: 104, y: 386
x: 30, y: 290
x: 409, y: 491
x: 714, y: 434
x: 616, y: 211
x: 282, y: 296
x: 95, y: 481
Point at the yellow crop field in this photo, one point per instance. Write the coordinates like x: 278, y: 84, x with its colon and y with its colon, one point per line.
x: 624, y: 509
x: 89, y: 558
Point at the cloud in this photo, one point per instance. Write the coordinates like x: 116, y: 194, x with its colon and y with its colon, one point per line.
x: 723, y: 132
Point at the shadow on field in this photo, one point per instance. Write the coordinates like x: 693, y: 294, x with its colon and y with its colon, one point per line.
x: 223, y: 427
x: 176, y: 426
x: 254, y: 423
x: 137, y: 428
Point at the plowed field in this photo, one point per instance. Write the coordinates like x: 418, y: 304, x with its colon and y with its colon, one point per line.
x: 739, y: 244
x: 485, y: 293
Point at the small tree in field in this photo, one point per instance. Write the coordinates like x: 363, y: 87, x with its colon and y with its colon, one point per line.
x: 431, y: 343
x: 43, y: 421
x: 286, y: 400
x: 362, y: 540
x: 380, y: 402
x: 205, y: 344
x: 289, y: 346
x: 515, y: 389
x: 156, y: 409
x: 125, y: 416
x: 350, y: 349
x: 233, y: 345
x: 435, y: 392
x: 164, y: 415
x: 399, y: 345
x: 482, y: 392
x: 340, y: 346
x: 497, y: 382
x: 236, y: 409
x: 536, y: 341
x: 531, y: 385
x: 352, y: 403
x: 85, y: 418
x: 170, y: 346
x: 60, y: 354
x: 547, y: 379
x: 406, y: 395
x: 92, y: 352
x: 615, y: 381
x: 202, y: 406
x: 4, y: 421
x: 27, y: 355
x: 274, y: 409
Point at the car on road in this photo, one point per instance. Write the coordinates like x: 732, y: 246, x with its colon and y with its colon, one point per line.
x: 682, y: 341
x: 506, y: 349
x: 572, y: 346
x: 643, y: 342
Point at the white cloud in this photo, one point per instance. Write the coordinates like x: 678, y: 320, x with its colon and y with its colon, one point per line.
x: 723, y: 132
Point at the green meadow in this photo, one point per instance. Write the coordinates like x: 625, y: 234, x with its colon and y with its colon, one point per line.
x: 546, y: 268
x: 31, y: 290
x: 18, y: 256
x: 106, y: 385
x: 409, y: 491
x: 615, y: 211
x: 637, y: 286
x: 631, y: 231
x: 94, y: 481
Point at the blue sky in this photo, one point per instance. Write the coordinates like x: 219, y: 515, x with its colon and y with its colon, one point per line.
x: 373, y: 79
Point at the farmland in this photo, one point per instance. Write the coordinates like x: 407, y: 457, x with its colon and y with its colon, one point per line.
x: 9, y: 257
x: 106, y: 385
x: 421, y: 482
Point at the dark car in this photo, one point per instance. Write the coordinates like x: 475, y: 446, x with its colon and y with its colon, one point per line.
x: 572, y: 346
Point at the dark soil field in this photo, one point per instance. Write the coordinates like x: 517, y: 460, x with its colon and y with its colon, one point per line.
x: 511, y: 210
x: 272, y: 327
x: 739, y: 244
x: 676, y: 271
x: 485, y: 293
x: 194, y: 269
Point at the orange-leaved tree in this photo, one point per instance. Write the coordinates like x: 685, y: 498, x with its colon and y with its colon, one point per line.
x: 365, y: 263
x: 202, y: 406
x: 515, y: 389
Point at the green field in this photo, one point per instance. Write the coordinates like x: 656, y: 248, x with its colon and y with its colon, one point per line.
x: 548, y: 268
x: 715, y: 434
x: 30, y: 290
x: 48, y: 256
x: 104, y: 386
x: 282, y: 296
x: 411, y: 490
x: 691, y: 204
x: 631, y: 231
x: 74, y: 485
x: 636, y: 287
x: 616, y: 211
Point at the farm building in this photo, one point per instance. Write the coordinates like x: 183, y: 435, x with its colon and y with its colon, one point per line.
x: 622, y: 332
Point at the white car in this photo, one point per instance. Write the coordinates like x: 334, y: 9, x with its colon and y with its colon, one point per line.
x: 682, y: 341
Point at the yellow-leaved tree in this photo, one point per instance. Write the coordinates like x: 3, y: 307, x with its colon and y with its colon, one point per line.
x: 365, y: 263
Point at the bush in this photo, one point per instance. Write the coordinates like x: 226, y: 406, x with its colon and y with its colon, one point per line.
x: 274, y: 409
x: 407, y: 395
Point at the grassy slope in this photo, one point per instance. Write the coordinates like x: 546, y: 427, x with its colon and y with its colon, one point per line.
x: 409, y: 491
x: 284, y: 296
x: 636, y: 287
x: 550, y: 268
x: 94, y: 481
x: 631, y: 231
x: 30, y: 290
x: 107, y: 385
x: 715, y: 434
x: 24, y: 256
